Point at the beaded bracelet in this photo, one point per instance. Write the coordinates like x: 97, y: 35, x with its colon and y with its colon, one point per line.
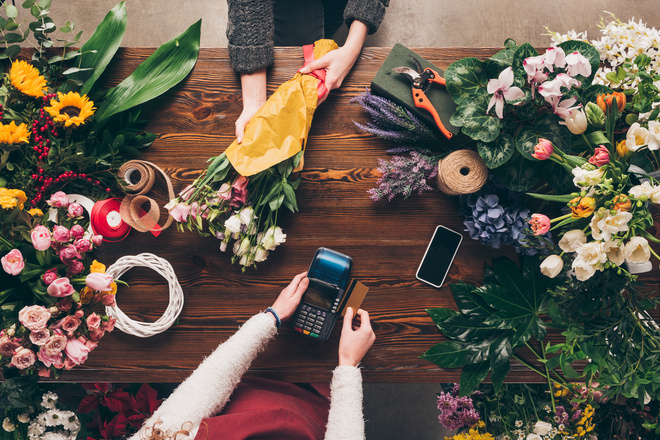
x: 278, y: 322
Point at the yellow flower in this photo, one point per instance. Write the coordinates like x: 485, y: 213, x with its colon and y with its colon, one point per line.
x: 622, y: 149
x: 71, y: 109
x: 113, y: 291
x: 582, y: 206
x: 97, y: 267
x: 13, y: 134
x: 26, y: 79
x: 11, y: 198
x: 86, y: 295
x: 36, y: 212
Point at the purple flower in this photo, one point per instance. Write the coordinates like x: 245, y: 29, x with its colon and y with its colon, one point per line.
x: 456, y: 412
x: 404, y: 175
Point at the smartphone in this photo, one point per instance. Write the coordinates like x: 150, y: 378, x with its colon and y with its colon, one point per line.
x: 439, y: 256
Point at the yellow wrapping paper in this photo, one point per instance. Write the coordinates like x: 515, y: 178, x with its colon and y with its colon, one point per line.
x: 279, y: 129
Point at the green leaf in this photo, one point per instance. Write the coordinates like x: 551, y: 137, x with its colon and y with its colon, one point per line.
x: 592, y: 92
x: 11, y: 11
x: 290, y: 196
x: 276, y: 202
x: 475, y: 122
x: 27, y: 4
x: 526, y: 140
x: 467, y: 328
x: 13, y: 37
x: 472, y: 376
x: 157, y: 74
x: 524, y: 51
x: 500, y: 352
x: 547, y: 126
x: 504, y: 57
x: 13, y: 51
x: 440, y: 314
x: 448, y: 354
x: 470, y: 303
x: 498, y: 374
x: 495, y: 154
x: 518, y: 174
x: 464, y: 78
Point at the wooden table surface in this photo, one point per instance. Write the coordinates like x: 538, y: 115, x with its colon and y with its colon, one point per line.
x: 385, y: 240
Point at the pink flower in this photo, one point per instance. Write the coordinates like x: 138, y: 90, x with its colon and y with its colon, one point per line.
x: 77, y: 231
x: 601, y: 156
x: 83, y: 245
x: 40, y: 337
x: 99, y: 282
x: 23, y: 358
x: 7, y: 346
x: 34, y: 318
x: 543, y: 150
x: 43, y: 371
x: 75, y: 267
x: 97, y: 240
x: 59, y: 200
x: 75, y: 210
x: 555, y: 56
x: 108, y: 300
x: 69, y: 324
x: 50, y: 359
x: 40, y: 238
x: 109, y: 325
x: 49, y: 276
x: 60, y: 288
x: 240, y: 184
x: 224, y: 192
x: 13, y: 262
x: 501, y: 89
x: 76, y: 351
x: 180, y: 212
x: 563, y: 108
x: 187, y: 192
x: 55, y: 344
x: 91, y: 344
x: 240, y: 192
x: 552, y: 89
x: 79, y: 314
x: 577, y: 65
x: 534, y: 67
x: 61, y: 234
x: 93, y: 321
x: 64, y: 305
x: 69, y: 253
x: 540, y: 224
x: 96, y: 334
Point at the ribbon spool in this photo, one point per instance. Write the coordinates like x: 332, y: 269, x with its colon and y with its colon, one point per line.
x: 461, y: 172
x: 130, y: 209
x: 106, y: 220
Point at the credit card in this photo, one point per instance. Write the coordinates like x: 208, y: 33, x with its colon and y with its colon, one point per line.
x: 354, y: 295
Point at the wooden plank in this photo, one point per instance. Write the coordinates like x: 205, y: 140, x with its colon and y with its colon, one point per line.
x: 386, y: 240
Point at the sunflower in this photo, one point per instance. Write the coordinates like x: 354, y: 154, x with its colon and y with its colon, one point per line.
x: 71, y: 108
x: 26, y: 79
x: 13, y: 134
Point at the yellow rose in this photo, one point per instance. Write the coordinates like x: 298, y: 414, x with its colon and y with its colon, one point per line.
x: 622, y: 149
x: 11, y: 198
x: 86, y: 295
x: 36, y: 212
x: 97, y: 267
x: 582, y: 206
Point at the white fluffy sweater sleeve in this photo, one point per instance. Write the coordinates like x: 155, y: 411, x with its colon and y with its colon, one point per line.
x: 207, y: 390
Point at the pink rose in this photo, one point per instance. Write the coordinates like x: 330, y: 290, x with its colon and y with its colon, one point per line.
x: 543, y: 150
x: 75, y: 267
x: 64, y: 305
x: 7, y: 346
x: 43, y: 371
x: 23, y: 358
x: 187, y: 192
x: 240, y: 192
x: 99, y: 282
x: 40, y: 236
x: 60, y: 288
x: 70, y: 324
x: 69, y: 253
x: 96, y: 334
x: 109, y: 325
x: 59, y: 200
x: 83, y: 245
x: 13, y: 262
x: 540, y: 224
x: 91, y: 344
x: 601, y: 156
x: 69, y: 363
x: 40, y: 337
x: 76, y: 351
x: 61, y: 234
x: 97, y: 240
x: 74, y: 210
x: 180, y: 212
x: 55, y: 344
x: 49, y: 276
x: 34, y: 318
x: 240, y: 184
x: 77, y: 231
x: 109, y: 300
x: 79, y: 314
x: 49, y: 359
x: 93, y: 321
x: 224, y: 192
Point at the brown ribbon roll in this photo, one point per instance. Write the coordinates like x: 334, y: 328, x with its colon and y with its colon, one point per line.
x: 132, y: 203
x: 461, y: 172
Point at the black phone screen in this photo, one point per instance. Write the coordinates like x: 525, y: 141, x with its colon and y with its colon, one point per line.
x: 439, y: 256
x: 320, y: 296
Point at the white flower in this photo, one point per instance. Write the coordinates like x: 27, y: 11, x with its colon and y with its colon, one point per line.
x: 654, y: 131
x: 233, y: 224
x: 646, y: 189
x: 260, y: 255
x: 572, y: 239
x: 552, y: 266
x: 70, y: 421
x: 35, y: 430
x: 241, y: 247
x: 592, y: 253
x: 48, y: 400
x: 637, y: 250
x: 23, y: 418
x: 501, y: 89
x: 542, y: 428
x: 7, y: 425
x: 614, y: 253
x: 576, y: 122
x: 246, y: 214
x: 637, y: 137
x: 246, y: 260
x: 584, y: 178
x: 604, y: 228
x: 54, y: 436
x: 533, y: 437
x: 223, y: 246
x: 583, y: 270
x: 519, y: 423
x: 547, y: 409
x: 273, y: 237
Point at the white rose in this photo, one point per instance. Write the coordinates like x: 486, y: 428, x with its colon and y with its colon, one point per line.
x: 260, y: 255
x: 542, y: 428
x: 233, y: 224
x: 244, y: 247
x: 614, y: 253
x: 246, y: 215
x: 592, y: 253
x: 533, y: 437
x: 654, y: 131
x: 637, y: 137
x: 604, y: 228
x: 572, y: 240
x: 7, y: 425
x: 587, y: 177
x: 637, y: 250
x: 583, y: 270
x: 552, y: 266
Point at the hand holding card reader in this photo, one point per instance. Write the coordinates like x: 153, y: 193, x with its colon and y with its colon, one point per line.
x: 326, y: 295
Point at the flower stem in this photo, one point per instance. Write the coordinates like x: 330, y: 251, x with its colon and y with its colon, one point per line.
x: 563, y: 217
x: 591, y: 147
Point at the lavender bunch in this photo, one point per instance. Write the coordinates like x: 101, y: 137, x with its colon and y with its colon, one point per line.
x: 393, y: 122
x: 405, y: 175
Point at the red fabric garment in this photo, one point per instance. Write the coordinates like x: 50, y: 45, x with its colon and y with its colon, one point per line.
x: 268, y: 409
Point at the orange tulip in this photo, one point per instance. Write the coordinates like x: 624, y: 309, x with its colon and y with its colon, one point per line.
x: 605, y: 100
x: 582, y: 206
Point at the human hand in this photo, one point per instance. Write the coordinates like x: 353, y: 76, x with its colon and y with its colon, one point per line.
x: 357, y: 337
x: 253, y: 89
x: 285, y: 305
x: 248, y: 112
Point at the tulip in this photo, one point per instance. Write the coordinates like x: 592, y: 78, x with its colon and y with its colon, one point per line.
x: 622, y: 203
x: 13, y: 262
x: 601, y: 156
x: 99, y: 282
x: 622, y: 149
x: 552, y: 266
x: 576, y: 122
x: 540, y: 224
x: 582, y: 206
x: 604, y: 101
x: 543, y: 150
x: 595, y: 115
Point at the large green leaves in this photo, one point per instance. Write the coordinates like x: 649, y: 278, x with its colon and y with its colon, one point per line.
x: 164, y: 69
x: 99, y: 50
x: 471, y: 115
x: 497, y: 153
x: 466, y: 77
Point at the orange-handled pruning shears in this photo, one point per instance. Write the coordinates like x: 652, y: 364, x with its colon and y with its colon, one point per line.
x: 421, y: 80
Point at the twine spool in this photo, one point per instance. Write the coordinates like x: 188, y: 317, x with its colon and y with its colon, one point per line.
x: 461, y: 172
x: 138, y: 187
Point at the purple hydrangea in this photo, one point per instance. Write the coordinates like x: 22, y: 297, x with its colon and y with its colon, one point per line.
x: 405, y: 175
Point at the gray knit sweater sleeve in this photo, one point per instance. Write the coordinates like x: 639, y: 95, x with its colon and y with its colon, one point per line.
x: 250, y: 34
x: 370, y: 12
